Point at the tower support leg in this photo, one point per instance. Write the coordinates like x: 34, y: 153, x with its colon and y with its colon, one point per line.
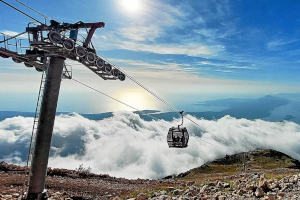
x: 45, y: 127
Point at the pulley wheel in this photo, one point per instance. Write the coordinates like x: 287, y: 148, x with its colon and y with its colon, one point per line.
x: 115, y: 72
x: 68, y: 44
x: 38, y: 69
x: 121, y: 76
x: 107, y: 67
x: 90, y: 57
x: 80, y: 51
x: 16, y: 60
x: 99, y: 62
x: 28, y: 65
x: 54, y: 37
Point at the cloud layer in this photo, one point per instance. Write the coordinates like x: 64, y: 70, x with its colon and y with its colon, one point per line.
x: 127, y: 146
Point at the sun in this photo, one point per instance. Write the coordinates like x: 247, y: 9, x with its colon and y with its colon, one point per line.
x: 134, y: 97
x: 131, y: 6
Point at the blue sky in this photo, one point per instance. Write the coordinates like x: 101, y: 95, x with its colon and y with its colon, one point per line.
x: 186, y: 51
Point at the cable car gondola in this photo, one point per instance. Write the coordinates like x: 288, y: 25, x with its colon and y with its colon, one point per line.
x: 178, y: 137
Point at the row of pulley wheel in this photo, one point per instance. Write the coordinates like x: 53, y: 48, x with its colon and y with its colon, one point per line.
x: 83, y: 54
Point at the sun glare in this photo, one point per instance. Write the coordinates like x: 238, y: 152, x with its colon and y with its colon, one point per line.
x: 131, y: 6
x: 135, y: 98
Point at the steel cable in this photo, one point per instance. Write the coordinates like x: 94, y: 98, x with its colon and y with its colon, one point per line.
x: 141, y: 111
x: 155, y: 95
x: 34, y: 10
x: 21, y: 12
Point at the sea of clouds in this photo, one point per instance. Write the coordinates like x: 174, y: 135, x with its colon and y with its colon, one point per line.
x: 125, y: 145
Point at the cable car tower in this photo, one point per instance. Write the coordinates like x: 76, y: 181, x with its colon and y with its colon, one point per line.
x: 48, y: 48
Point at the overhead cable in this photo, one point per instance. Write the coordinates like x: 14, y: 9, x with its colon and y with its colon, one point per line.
x: 158, y: 97
x: 145, y: 88
x: 34, y: 10
x: 141, y: 111
x: 21, y: 12
x: 98, y: 91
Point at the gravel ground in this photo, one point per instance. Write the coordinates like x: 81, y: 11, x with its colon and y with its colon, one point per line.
x: 62, y: 183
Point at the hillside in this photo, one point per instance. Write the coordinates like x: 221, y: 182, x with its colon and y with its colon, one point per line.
x: 268, y: 175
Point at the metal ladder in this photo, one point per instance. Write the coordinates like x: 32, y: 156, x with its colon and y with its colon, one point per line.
x: 38, y: 107
x: 34, y: 129
x: 67, y: 71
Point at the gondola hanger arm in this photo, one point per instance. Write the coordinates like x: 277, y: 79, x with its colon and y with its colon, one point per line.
x: 181, y: 113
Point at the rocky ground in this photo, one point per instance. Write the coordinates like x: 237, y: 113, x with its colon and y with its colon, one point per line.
x: 260, y: 174
x: 74, y: 184
x: 248, y: 186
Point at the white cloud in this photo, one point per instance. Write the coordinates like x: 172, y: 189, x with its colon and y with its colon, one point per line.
x: 150, y: 21
x: 136, y: 42
x: 225, y: 71
x: 15, y: 129
x: 141, y: 33
x: 239, y: 67
x: 190, y: 49
x: 13, y: 33
x: 212, y: 35
x: 162, y: 66
x: 229, y: 66
x: 157, y: 23
x: 127, y: 146
x: 147, y: 24
x: 279, y: 43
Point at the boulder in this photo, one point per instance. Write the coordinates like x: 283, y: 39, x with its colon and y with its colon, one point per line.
x: 177, y: 192
x: 241, y: 192
x: 7, y: 196
x: 169, y: 189
x: 117, y: 198
x: 216, y: 195
x: 222, y: 185
x: 274, y: 185
x: 15, y: 195
x: 259, y: 192
x: 190, y: 183
x: 184, y: 198
x: 271, y: 196
x: 211, y: 184
x: 204, y: 189
x: 293, y: 179
x: 263, y: 183
x: 226, y: 185
x: 221, y: 197
x: 141, y: 196
x: 164, y: 197
x: 280, y: 194
x: 251, y: 187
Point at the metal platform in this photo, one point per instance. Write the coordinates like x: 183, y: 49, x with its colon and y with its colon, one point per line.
x: 41, y: 48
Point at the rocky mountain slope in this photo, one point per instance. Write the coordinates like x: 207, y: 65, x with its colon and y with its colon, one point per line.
x: 260, y: 174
